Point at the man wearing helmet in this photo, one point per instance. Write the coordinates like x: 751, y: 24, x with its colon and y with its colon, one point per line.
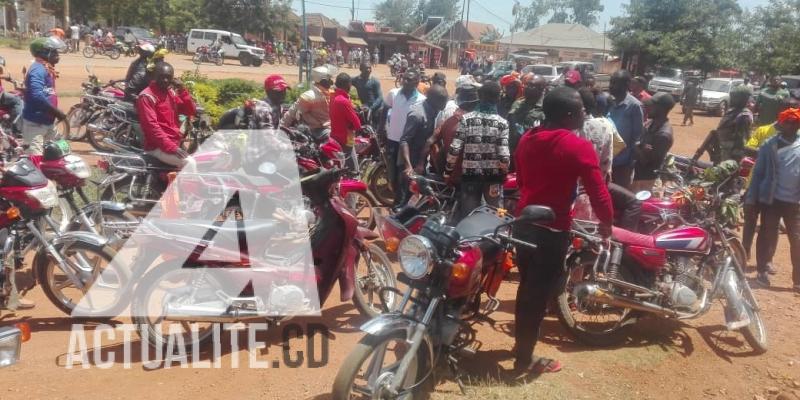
x: 137, y: 77
x: 41, y: 103
x: 268, y: 111
x: 312, y: 108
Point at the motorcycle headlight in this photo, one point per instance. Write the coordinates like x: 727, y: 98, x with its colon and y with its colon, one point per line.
x: 416, y: 256
x: 77, y: 166
x: 10, y: 346
x: 46, y: 196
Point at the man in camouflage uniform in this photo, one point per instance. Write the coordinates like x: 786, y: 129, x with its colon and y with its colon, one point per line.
x: 526, y: 113
x: 727, y: 141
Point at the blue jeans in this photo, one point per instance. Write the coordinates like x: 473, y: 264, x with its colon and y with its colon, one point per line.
x: 15, y: 105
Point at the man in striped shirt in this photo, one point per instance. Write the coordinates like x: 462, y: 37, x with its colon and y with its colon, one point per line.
x: 481, y: 148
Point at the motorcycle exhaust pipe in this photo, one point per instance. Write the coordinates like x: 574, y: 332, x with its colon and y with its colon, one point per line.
x: 213, y: 312
x: 589, y: 292
x: 92, y: 128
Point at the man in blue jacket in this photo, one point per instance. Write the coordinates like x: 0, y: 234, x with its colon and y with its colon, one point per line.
x: 41, y: 102
x: 775, y: 189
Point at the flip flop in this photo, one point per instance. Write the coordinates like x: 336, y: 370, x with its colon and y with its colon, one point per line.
x: 544, y: 365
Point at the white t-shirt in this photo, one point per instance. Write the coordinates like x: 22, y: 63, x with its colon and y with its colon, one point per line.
x: 75, y: 32
x: 399, y: 106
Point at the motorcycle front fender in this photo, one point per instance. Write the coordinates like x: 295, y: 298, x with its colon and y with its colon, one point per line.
x: 64, y: 241
x: 386, y: 324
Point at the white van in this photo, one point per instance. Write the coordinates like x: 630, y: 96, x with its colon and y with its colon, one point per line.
x: 233, y: 45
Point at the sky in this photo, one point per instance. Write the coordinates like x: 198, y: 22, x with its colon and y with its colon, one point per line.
x: 496, y: 12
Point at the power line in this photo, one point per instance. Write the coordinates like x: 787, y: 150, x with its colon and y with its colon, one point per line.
x: 491, y: 13
x: 336, y: 6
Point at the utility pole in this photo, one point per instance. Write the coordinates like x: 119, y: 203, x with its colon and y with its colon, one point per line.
x: 305, y: 47
x: 67, y: 23
x: 353, y: 11
x: 466, y: 26
x: 19, y: 23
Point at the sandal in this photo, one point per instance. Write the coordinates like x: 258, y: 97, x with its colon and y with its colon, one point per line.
x: 539, y: 366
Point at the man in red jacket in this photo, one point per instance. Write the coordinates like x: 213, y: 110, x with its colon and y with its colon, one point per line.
x: 550, y: 159
x: 344, y: 120
x: 158, y: 106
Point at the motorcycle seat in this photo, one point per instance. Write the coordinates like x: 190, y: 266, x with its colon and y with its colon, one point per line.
x: 629, y: 238
x: 262, y: 229
x: 155, y: 163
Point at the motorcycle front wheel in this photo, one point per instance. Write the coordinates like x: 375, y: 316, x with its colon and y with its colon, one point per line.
x: 105, y: 280
x: 114, y: 53
x: 363, y: 207
x: 369, y: 369
x: 373, y: 272
x: 197, y: 59
x: 88, y: 51
x: 755, y: 333
x: 74, y: 124
x: 593, y: 324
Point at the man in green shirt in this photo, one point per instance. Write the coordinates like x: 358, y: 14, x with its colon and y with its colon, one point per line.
x: 771, y: 101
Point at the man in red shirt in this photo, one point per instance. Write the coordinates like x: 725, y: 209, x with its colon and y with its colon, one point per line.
x: 158, y: 106
x: 344, y: 120
x: 550, y: 159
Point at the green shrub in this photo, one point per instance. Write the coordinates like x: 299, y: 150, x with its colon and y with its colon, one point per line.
x: 235, y: 89
x: 207, y: 96
x: 294, y: 92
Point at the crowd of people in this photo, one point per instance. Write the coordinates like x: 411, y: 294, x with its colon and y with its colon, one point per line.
x: 607, y: 144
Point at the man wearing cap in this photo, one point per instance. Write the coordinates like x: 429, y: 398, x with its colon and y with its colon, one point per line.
x: 268, y: 111
x: 439, y: 143
x: 655, y: 142
x: 526, y: 113
x: 481, y: 150
x: 572, y: 79
x: 775, y: 189
x: 399, y: 101
x: 369, y: 91
x: 627, y: 114
x: 312, y: 108
x: 344, y: 120
x: 512, y: 91
x: 771, y: 101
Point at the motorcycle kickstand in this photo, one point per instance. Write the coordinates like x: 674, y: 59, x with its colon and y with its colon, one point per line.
x: 452, y: 363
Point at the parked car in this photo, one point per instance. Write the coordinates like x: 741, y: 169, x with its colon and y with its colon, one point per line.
x: 583, y: 67
x: 141, y: 34
x: 550, y: 73
x: 715, y: 94
x: 233, y: 45
x: 500, y: 69
x: 667, y: 80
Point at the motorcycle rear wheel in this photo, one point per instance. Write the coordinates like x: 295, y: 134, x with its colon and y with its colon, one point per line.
x: 197, y: 59
x: 373, y: 272
x: 88, y: 52
x: 149, y: 320
x: 219, y: 61
x: 111, y: 277
x: 74, y: 123
x: 114, y: 53
x: 370, y: 353
x: 602, y: 337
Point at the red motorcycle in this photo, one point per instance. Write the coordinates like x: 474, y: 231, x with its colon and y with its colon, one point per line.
x: 204, y: 54
x: 99, y: 46
x: 675, y: 273
x: 337, y: 242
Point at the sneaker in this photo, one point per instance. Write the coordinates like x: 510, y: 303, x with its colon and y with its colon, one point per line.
x: 25, y: 304
x: 762, y: 279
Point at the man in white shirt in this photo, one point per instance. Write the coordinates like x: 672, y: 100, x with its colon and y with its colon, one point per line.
x: 75, y: 36
x: 399, y: 102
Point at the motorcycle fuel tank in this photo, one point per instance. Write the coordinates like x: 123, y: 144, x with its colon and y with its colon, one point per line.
x: 688, y: 238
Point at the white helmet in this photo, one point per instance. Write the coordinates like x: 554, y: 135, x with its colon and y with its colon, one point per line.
x: 319, y: 74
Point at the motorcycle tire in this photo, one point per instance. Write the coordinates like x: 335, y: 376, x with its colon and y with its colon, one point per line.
x: 362, y: 353
x: 257, y: 63
x: 96, y: 140
x: 140, y: 310
x: 114, y: 53
x: 76, y: 123
x: 219, y: 61
x: 364, y: 208
x: 756, y: 332
x: 88, y: 52
x: 380, y: 268
x: 115, y: 239
x: 119, y: 277
x: 608, y: 338
x: 197, y: 59
x: 380, y: 187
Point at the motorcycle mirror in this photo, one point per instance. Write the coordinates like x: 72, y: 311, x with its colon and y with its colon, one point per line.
x: 267, y: 168
x: 644, y: 195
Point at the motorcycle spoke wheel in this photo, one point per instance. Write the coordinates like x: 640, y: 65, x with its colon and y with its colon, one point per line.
x: 756, y: 332
x: 373, y: 272
x: 371, y: 366
x: 170, y: 284
x: 362, y: 208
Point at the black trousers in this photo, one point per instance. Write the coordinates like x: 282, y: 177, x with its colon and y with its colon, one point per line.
x: 751, y: 214
x: 768, y: 235
x: 627, y: 209
x: 472, y: 194
x: 540, y: 271
x: 622, y: 175
x: 396, y: 174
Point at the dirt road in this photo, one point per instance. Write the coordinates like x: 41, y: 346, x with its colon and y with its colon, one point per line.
x: 662, y: 360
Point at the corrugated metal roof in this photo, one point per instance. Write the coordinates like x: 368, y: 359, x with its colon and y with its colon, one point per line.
x: 354, y: 41
x: 574, y: 36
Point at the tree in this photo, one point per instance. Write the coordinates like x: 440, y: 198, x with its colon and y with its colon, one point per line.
x: 680, y: 33
x: 490, y: 35
x: 765, y: 40
x: 583, y: 12
x: 449, y: 9
x: 396, y: 15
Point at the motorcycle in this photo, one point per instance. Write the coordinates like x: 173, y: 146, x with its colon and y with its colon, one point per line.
x: 65, y: 264
x: 447, y: 271
x: 7, y: 123
x: 99, y: 47
x: 204, y: 54
x: 337, y: 243
x: 675, y: 273
x: 96, y: 96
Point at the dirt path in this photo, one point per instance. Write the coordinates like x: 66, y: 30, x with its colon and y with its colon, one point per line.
x: 663, y: 359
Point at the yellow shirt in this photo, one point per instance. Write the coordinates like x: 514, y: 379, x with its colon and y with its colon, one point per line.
x: 760, y: 135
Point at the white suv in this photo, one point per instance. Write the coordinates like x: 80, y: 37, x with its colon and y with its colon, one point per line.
x: 233, y: 45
